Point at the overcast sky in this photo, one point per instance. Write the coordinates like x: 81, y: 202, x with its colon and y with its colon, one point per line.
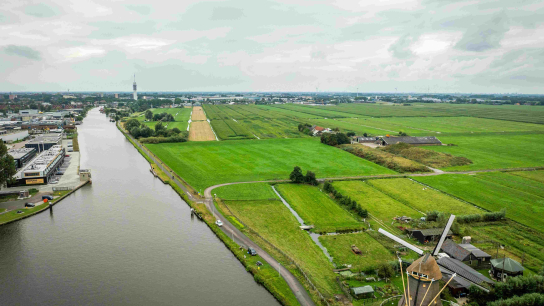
x: 256, y: 45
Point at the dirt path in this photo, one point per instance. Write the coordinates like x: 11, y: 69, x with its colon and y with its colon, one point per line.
x: 198, y: 114
x: 201, y: 131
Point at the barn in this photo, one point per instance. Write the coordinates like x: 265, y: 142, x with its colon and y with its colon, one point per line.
x: 415, y: 141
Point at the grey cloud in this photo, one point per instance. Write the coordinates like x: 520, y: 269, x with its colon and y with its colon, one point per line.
x: 485, y: 36
x: 22, y: 51
x: 401, y: 48
x: 227, y: 13
x: 141, y: 9
x: 41, y: 10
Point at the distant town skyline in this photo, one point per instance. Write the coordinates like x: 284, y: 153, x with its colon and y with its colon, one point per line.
x: 273, y: 46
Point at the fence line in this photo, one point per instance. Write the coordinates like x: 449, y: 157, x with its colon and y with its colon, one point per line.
x: 63, y: 188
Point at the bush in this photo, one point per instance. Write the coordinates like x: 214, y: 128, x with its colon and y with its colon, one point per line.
x: 388, y: 160
x: 427, y: 157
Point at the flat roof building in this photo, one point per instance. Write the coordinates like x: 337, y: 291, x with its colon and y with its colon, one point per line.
x: 41, y: 169
x: 415, y: 141
x: 44, y: 142
x: 22, y: 156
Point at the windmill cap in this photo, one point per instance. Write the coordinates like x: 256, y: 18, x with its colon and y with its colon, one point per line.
x: 426, y: 265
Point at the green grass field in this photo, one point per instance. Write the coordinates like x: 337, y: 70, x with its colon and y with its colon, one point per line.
x: 532, y: 175
x: 422, y: 198
x: 380, y: 205
x: 204, y: 164
x: 255, y: 191
x: 495, y: 152
x: 181, y: 117
x: 316, y: 208
x: 511, y: 180
x: 373, y: 253
x: 273, y: 221
x: 520, y: 206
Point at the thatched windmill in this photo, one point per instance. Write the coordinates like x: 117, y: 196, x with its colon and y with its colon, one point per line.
x: 423, y: 275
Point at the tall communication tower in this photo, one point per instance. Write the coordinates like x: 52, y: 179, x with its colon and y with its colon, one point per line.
x: 134, y: 89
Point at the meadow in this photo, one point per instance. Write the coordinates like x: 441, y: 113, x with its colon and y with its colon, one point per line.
x: 422, y: 198
x: 520, y: 206
x: 316, y: 208
x: 254, y: 191
x: 378, y: 204
x: 273, y: 221
x: 494, y: 151
x: 373, y: 253
x: 533, y: 175
x: 204, y: 164
x: 181, y: 117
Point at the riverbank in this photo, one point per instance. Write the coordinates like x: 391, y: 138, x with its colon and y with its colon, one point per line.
x: 12, y: 216
x: 265, y: 275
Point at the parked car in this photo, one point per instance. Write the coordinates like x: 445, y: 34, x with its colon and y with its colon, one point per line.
x: 20, y: 211
x: 66, y: 155
x: 251, y: 251
x: 70, y: 150
x: 59, y: 173
x: 219, y: 223
x: 29, y: 205
x: 53, y: 182
x: 47, y: 197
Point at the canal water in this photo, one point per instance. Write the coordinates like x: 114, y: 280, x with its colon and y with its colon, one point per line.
x: 126, y: 240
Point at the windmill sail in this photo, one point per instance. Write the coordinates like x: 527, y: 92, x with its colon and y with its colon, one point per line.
x: 404, y: 243
x: 444, y: 235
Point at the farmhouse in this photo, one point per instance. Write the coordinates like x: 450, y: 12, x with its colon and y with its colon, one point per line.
x: 465, y: 252
x: 366, y: 139
x: 464, y: 272
x: 426, y: 235
x: 415, y: 141
x: 503, y: 267
x: 476, y: 254
x: 317, y: 130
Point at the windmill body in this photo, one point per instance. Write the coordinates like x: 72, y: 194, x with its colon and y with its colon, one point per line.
x: 423, y: 283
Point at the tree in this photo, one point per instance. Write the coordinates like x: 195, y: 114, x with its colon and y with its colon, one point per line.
x: 7, y: 165
x: 148, y: 115
x: 385, y: 270
x: 350, y: 134
x: 132, y: 123
x: 310, y: 178
x: 401, y: 133
x: 79, y: 118
x: 296, y: 176
x: 159, y: 127
x: 146, y: 132
x: 157, y: 117
x: 342, y: 138
x: 176, y: 130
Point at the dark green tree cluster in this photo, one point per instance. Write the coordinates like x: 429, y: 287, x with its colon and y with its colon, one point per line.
x: 160, y: 134
x: 346, y: 201
x: 297, y: 177
x: 305, y: 128
x: 165, y: 117
x: 334, y: 139
x: 518, y: 291
x: 401, y: 133
x: 350, y: 134
x: 7, y: 165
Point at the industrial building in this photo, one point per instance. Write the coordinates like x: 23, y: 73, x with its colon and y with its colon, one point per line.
x: 22, y: 156
x: 41, y: 169
x: 45, y: 142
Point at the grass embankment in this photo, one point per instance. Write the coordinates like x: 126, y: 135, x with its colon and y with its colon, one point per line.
x: 422, y: 198
x: 373, y: 253
x: 521, y: 206
x: 273, y: 221
x: 204, y: 164
x: 265, y: 275
x: 75, y: 143
x: 386, y: 159
x: 532, y: 175
x: 316, y: 208
x: 427, y: 157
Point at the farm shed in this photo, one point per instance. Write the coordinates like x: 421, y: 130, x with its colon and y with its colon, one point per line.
x: 415, y: 141
x: 458, y: 286
x: 463, y: 271
x: 426, y: 235
x: 455, y: 251
x: 476, y: 253
x: 366, y: 139
x: 508, y: 266
x: 363, y: 292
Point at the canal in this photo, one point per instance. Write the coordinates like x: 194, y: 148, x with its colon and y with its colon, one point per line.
x: 125, y: 239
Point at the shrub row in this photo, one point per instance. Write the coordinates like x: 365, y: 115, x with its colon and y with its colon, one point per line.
x: 350, y: 204
x: 489, y: 216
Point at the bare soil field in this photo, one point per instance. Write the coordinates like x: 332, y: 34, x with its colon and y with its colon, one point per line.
x: 198, y: 114
x: 200, y: 131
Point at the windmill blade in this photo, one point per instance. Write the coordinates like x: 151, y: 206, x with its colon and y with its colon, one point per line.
x: 404, y: 243
x: 444, y: 235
